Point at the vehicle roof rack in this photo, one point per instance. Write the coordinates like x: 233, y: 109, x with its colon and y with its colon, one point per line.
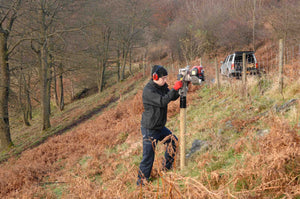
x: 241, y: 52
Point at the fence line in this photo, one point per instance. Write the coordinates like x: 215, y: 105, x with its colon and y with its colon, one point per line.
x: 269, y: 60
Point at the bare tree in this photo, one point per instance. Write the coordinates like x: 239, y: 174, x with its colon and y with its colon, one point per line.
x: 58, y: 86
x: 131, y: 19
x: 24, y: 97
x: 44, y: 29
x: 20, y: 81
x: 40, y: 45
x: 98, y: 35
x: 8, y: 14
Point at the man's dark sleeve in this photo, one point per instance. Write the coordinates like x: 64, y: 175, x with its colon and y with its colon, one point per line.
x: 155, y: 99
x: 176, y: 95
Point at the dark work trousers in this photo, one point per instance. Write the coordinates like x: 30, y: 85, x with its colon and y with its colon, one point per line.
x: 150, y: 139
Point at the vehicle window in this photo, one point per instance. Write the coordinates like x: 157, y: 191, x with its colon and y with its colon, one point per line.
x: 238, y: 59
x: 230, y: 59
x: 250, y: 58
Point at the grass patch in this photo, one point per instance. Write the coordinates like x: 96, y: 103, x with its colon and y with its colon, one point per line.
x: 84, y: 161
x: 122, y: 136
x: 222, y: 160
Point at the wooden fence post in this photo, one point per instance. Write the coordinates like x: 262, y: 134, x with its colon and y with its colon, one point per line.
x: 144, y: 66
x: 280, y: 64
x: 244, y: 75
x: 182, y: 137
x: 217, y: 74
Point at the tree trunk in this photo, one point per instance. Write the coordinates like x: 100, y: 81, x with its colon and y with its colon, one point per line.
x: 55, y: 87
x: 61, y: 88
x: 28, y: 104
x: 45, y: 88
x: 22, y: 90
x: 5, y: 139
x: 101, y: 75
x: 130, y: 57
x: 72, y: 89
x: 99, y: 78
x: 118, y: 64
x: 28, y: 107
x: 253, y: 25
x: 45, y: 68
x: 125, y: 53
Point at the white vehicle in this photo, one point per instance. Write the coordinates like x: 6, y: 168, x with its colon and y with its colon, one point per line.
x: 233, y: 64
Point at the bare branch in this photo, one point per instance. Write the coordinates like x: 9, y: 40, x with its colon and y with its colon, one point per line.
x: 4, y: 17
x: 69, y: 30
x: 16, y: 44
x: 13, y: 7
x: 33, y: 48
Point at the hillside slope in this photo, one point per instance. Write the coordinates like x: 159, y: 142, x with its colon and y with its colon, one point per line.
x: 252, y: 149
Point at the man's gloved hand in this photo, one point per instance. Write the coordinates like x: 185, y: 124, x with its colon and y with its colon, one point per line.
x: 177, y: 85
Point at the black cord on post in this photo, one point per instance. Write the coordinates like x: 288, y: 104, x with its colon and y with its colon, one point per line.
x: 182, y: 101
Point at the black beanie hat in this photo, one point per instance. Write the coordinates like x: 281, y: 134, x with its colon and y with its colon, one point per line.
x: 159, y: 70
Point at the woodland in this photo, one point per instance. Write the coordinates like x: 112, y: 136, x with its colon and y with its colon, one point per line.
x: 54, y: 54
x: 44, y: 43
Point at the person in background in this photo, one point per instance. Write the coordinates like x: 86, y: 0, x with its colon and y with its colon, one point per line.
x: 156, y: 97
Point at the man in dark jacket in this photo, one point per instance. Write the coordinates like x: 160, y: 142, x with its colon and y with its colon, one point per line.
x: 156, y: 97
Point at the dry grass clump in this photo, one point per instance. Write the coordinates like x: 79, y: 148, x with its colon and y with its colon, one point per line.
x: 275, y: 170
x: 292, y: 70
